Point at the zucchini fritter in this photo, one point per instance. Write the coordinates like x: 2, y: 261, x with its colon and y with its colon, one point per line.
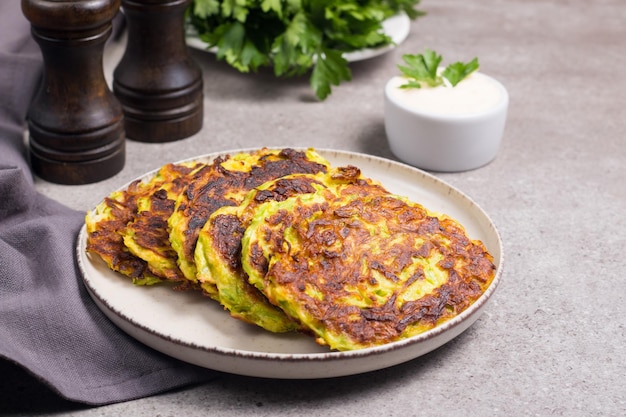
x: 105, y: 226
x: 147, y: 235
x: 225, y: 183
x: 362, y: 269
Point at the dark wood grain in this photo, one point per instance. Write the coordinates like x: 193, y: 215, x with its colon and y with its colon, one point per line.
x: 76, y: 124
x: 157, y: 81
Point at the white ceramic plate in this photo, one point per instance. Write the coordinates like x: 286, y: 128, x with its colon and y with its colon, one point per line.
x: 396, y: 27
x: 196, y: 329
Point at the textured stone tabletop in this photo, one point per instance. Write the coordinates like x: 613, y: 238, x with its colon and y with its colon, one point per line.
x: 553, y: 339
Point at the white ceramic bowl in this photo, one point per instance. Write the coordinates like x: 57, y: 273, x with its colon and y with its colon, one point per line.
x: 446, y: 129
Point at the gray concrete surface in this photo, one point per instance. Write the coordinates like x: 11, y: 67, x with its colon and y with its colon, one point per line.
x: 552, y: 341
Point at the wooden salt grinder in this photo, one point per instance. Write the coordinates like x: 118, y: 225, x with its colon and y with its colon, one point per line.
x: 76, y: 125
x: 157, y: 81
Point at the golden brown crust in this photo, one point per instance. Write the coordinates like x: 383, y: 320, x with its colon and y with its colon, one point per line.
x: 227, y: 230
x: 119, y: 215
x: 345, y: 279
x: 214, y: 187
x: 203, y: 195
x: 107, y: 241
x: 149, y: 228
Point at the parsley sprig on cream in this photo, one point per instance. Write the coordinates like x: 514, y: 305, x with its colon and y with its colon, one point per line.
x: 424, y: 69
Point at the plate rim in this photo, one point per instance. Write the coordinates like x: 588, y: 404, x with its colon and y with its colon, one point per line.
x: 460, y: 322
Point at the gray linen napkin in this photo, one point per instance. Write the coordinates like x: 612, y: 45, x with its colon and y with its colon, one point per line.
x: 48, y: 323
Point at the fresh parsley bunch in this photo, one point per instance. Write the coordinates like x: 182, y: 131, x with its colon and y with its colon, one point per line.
x: 295, y: 36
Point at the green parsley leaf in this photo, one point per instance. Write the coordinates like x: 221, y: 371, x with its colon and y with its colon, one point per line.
x: 235, y: 8
x: 294, y: 46
x: 330, y: 69
x: 458, y: 71
x: 231, y: 44
x: 207, y: 8
x: 411, y: 84
x: 422, y: 68
x: 267, y: 5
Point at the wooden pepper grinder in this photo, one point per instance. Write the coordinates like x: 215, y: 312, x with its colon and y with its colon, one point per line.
x: 76, y: 124
x: 157, y: 81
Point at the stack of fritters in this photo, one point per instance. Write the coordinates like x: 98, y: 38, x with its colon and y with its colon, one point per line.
x: 285, y: 241
x: 225, y: 183
x: 219, y: 248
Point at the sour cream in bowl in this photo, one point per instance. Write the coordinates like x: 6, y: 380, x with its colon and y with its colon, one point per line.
x: 445, y: 128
